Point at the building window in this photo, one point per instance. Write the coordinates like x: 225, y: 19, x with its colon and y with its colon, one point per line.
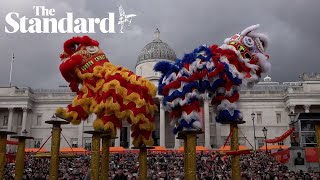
x: 19, y: 120
x: 5, y: 121
x: 224, y: 140
x: 260, y: 141
x: 278, y: 116
x: 39, y: 118
x: 124, y: 135
x: 74, y: 142
x: 87, y: 143
x: 37, y: 143
x: 242, y: 141
x: 259, y: 118
x: 280, y: 143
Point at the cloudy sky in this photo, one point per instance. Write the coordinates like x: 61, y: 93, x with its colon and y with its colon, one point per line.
x: 292, y: 26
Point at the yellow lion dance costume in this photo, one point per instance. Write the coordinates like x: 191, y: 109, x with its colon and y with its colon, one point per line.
x: 113, y: 93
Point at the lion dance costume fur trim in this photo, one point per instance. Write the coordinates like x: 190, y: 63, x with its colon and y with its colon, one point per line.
x: 213, y: 73
x: 113, y: 93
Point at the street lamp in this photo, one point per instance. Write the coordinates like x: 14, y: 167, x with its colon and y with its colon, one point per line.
x: 291, y: 125
x: 254, y: 130
x: 24, y: 132
x: 265, y: 131
x: 292, y: 116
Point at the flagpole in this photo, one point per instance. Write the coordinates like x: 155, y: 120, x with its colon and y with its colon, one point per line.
x: 11, y: 69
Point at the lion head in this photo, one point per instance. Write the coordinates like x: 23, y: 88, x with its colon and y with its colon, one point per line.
x: 80, y: 52
x: 250, y: 48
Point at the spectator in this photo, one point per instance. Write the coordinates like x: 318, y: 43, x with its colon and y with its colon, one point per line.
x: 163, y: 166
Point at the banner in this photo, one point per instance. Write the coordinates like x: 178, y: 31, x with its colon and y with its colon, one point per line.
x: 312, y: 154
x: 281, y: 138
x: 282, y: 156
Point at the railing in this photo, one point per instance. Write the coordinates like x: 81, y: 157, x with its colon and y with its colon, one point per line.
x: 62, y: 90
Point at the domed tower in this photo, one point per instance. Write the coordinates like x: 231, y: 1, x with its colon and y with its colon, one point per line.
x: 152, y: 53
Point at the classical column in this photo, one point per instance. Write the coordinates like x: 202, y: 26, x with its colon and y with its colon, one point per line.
x: 9, y: 128
x: 24, y: 119
x: 207, y: 143
x: 218, y: 135
x: 306, y: 108
x: 131, y: 139
x: 176, y: 142
x: 117, y: 140
x: 291, y: 108
x: 162, y: 125
x: 80, y: 134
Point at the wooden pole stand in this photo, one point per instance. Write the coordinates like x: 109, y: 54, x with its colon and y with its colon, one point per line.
x: 3, y: 145
x: 317, y: 127
x: 235, y: 157
x: 20, y: 156
x: 95, y: 154
x: 55, y: 147
x: 190, y: 143
x: 143, y: 163
x: 105, y: 154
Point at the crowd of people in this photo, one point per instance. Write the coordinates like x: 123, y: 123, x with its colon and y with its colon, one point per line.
x: 163, y: 166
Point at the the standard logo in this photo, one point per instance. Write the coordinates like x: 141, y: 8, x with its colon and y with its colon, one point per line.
x: 44, y: 22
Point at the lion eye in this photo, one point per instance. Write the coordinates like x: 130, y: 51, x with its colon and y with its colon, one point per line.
x: 248, y: 41
x: 92, y: 49
x: 75, y: 47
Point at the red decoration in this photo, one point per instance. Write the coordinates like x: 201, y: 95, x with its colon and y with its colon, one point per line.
x: 12, y: 142
x: 281, y: 138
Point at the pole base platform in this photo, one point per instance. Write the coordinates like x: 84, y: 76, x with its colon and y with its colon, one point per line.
x: 7, y: 132
x: 233, y: 122
x: 182, y: 134
x: 143, y: 147
x: 57, y: 122
x: 94, y: 132
x: 21, y: 137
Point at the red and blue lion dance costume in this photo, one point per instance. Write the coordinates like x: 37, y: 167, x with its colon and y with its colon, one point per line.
x: 217, y: 72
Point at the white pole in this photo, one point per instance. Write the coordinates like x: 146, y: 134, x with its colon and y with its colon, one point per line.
x: 12, y: 60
